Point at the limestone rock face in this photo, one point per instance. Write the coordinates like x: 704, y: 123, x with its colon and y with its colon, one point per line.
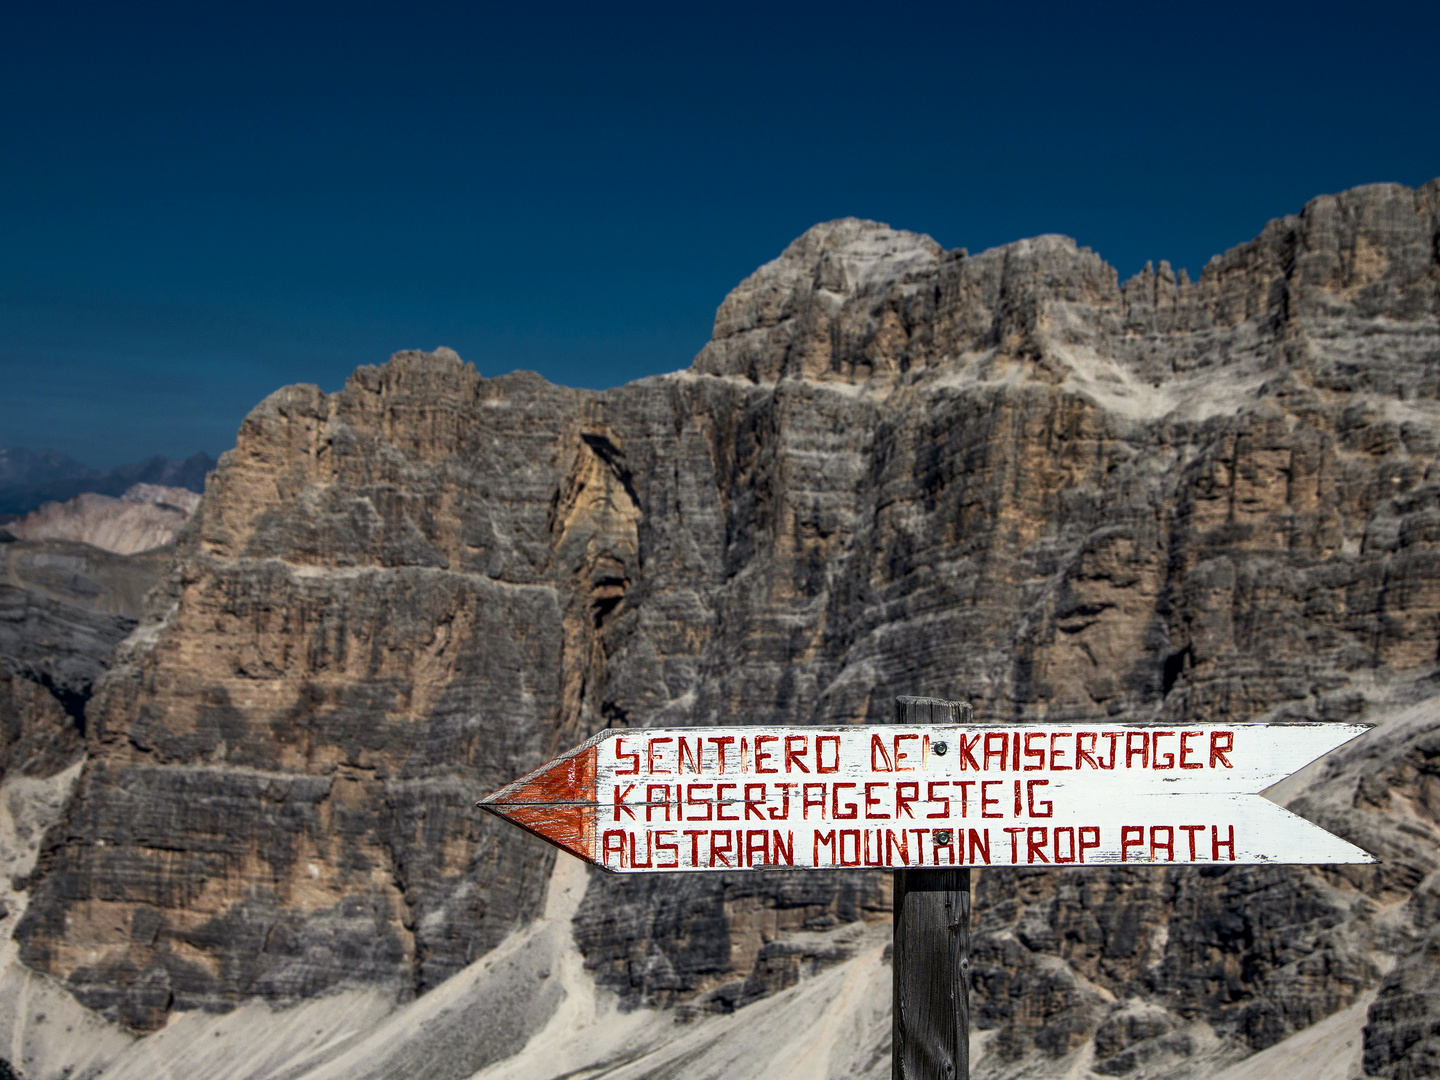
x: 1402, y: 1038
x: 894, y: 470
x: 64, y: 607
x: 37, y: 735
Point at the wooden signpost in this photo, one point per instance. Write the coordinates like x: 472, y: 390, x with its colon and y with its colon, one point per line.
x: 928, y: 797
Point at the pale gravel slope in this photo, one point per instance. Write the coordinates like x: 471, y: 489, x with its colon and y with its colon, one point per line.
x: 1330, y: 1050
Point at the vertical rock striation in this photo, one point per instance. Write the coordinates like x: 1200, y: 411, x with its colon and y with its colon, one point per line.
x: 893, y: 470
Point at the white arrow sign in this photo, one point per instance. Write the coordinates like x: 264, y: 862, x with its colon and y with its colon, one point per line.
x: 751, y: 798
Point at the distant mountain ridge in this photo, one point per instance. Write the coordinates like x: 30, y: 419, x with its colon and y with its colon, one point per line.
x: 147, y: 516
x: 30, y: 478
x: 19, y: 466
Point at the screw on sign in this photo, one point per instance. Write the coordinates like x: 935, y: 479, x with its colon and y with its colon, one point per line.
x: 927, y: 798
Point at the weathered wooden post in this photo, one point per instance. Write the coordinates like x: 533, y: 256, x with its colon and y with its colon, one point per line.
x: 931, y: 961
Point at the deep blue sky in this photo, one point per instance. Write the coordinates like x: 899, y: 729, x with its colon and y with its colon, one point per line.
x: 202, y: 202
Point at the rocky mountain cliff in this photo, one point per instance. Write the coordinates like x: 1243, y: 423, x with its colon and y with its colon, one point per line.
x: 894, y: 470
x: 64, y: 607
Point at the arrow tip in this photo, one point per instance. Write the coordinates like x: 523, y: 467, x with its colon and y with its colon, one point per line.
x: 556, y: 802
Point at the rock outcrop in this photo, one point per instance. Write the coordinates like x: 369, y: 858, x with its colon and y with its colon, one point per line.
x: 894, y: 470
x: 64, y: 607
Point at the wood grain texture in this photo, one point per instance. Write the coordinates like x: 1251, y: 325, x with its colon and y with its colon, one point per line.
x: 931, y: 1022
x: 931, y: 1003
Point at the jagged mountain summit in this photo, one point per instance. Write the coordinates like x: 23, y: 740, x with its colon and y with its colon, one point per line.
x: 895, y: 469
x: 21, y: 467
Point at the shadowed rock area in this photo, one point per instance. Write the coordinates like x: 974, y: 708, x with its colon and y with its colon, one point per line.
x: 894, y: 470
x: 64, y: 607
